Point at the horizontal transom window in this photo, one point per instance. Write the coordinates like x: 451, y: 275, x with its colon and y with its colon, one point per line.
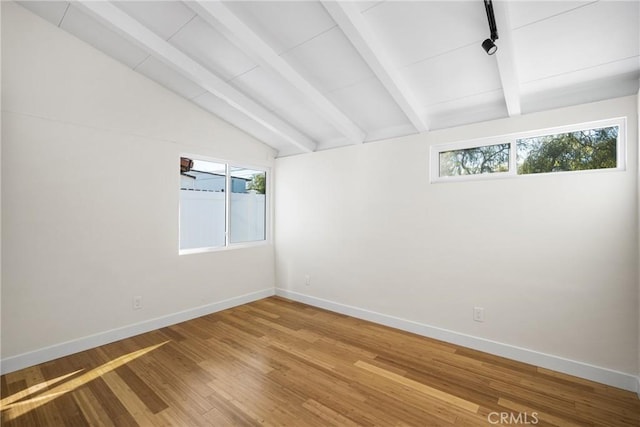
x: 587, y: 146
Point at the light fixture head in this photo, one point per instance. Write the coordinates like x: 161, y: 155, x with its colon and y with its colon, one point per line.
x: 489, y: 46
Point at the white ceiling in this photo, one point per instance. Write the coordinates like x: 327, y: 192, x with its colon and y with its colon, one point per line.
x: 306, y: 75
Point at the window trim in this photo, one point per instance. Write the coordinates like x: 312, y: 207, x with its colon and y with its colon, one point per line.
x: 511, y: 138
x: 227, y: 198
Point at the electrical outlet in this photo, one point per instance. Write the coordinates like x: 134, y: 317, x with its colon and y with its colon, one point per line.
x: 478, y: 314
x: 137, y: 303
x: 307, y: 280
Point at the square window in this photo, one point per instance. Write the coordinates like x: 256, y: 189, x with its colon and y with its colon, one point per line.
x: 220, y: 205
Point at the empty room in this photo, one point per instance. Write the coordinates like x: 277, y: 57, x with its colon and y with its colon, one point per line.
x: 320, y: 213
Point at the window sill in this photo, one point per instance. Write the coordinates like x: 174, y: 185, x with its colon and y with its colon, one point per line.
x: 234, y: 246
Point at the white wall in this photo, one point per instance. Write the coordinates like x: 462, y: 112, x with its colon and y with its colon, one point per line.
x: 552, y: 259
x: 0, y: 199
x: 80, y: 240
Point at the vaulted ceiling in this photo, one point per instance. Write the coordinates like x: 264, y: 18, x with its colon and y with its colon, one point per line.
x: 306, y: 75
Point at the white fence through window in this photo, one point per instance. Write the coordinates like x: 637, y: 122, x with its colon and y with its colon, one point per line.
x: 202, y: 218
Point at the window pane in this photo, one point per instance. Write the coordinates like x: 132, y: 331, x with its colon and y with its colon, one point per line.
x: 473, y: 161
x: 572, y: 151
x: 248, y: 205
x: 202, y: 204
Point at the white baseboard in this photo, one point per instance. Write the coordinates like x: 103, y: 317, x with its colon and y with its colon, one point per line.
x: 548, y: 361
x: 556, y: 363
x: 46, y: 354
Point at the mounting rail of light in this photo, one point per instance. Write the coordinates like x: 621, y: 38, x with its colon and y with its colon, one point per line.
x: 488, y: 45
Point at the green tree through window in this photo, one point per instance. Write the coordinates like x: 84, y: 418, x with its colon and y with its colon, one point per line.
x: 473, y: 161
x: 572, y: 151
x: 258, y: 183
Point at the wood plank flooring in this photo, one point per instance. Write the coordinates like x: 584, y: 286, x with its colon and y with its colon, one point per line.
x: 281, y: 363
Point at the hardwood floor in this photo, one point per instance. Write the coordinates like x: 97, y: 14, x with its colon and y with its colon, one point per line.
x: 277, y: 362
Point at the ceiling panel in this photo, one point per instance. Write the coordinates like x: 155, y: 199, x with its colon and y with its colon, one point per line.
x: 329, y: 61
x: 611, y: 70
x: 223, y: 110
x: 526, y: 12
x: 207, y: 46
x: 305, y: 118
x: 52, y: 11
x: 166, y: 76
x: 412, y: 31
x: 283, y: 25
x: 363, y: 6
x: 164, y: 18
x: 476, y: 108
x: 370, y: 106
x: 600, y: 33
x: 97, y: 35
x: 580, y: 92
x: 269, y: 89
x: 457, y: 74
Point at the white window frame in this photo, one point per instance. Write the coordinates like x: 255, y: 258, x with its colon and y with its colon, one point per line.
x: 511, y: 139
x: 227, y: 200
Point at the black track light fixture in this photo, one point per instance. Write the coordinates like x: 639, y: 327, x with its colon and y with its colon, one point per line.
x: 488, y: 45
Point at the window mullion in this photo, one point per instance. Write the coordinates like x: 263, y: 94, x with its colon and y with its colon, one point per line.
x: 227, y: 206
x: 513, y: 158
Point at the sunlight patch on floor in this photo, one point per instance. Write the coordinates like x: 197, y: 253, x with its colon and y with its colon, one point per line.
x: 15, y: 408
